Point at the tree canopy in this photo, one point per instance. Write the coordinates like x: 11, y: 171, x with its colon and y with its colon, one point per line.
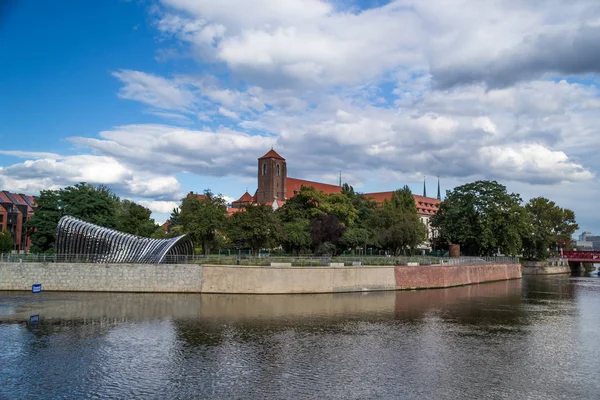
x: 203, y: 218
x: 549, y: 225
x: 95, y: 204
x: 6, y: 242
x: 483, y: 218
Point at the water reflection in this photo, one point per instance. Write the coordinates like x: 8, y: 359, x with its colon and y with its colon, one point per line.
x: 523, y: 338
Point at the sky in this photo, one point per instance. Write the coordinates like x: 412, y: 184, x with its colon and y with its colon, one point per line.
x: 158, y: 98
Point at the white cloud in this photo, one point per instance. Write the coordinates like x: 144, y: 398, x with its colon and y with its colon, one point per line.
x: 161, y: 207
x: 31, y: 176
x: 154, y: 90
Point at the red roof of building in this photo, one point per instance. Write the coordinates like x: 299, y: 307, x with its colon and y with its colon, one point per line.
x: 246, y: 198
x: 231, y: 210
x: 425, y: 205
x: 272, y: 154
x: 4, y: 198
x: 294, y: 185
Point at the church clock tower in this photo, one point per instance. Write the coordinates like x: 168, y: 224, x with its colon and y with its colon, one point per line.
x: 272, y: 174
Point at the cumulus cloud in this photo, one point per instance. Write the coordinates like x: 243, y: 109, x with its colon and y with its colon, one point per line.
x: 33, y: 175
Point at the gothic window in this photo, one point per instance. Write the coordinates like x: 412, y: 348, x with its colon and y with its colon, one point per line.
x: 264, y: 169
x: 277, y: 169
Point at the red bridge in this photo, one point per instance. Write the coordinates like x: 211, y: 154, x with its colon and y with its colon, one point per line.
x: 582, y: 256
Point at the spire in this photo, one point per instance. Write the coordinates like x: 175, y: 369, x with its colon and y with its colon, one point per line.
x: 424, y: 188
x: 340, y: 178
x: 439, y: 196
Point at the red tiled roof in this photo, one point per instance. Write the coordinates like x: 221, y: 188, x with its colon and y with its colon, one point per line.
x: 200, y: 196
x: 4, y: 198
x: 246, y: 198
x: 425, y: 205
x: 294, y: 184
x: 231, y: 211
x: 272, y: 154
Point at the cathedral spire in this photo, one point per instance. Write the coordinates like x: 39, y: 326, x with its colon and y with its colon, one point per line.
x: 424, y: 188
x: 340, y: 178
x: 439, y: 196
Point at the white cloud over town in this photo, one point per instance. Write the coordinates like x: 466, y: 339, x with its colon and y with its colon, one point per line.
x: 503, y: 90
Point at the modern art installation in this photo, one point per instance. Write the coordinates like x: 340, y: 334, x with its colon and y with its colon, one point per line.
x: 89, y: 242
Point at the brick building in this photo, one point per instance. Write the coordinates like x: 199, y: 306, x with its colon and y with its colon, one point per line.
x: 15, y: 210
x: 275, y: 187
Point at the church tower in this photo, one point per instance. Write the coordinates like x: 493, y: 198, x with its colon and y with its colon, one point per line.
x: 272, y: 175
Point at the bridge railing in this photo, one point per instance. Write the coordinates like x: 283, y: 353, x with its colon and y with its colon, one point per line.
x: 266, y: 260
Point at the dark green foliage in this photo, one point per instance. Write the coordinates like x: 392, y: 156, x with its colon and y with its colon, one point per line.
x: 94, y: 204
x: 403, y: 200
x: 6, y: 242
x: 44, y: 221
x: 257, y: 227
x: 483, y: 218
x: 549, y: 225
x: 397, y: 225
x: 134, y: 219
x: 325, y: 228
x: 203, y: 218
x: 296, y: 236
x: 355, y: 237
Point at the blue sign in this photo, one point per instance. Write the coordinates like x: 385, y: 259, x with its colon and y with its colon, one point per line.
x: 34, y: 319
x: 36, y: 288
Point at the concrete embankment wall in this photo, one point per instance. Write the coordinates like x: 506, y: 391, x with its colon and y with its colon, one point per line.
x: 549, y: 267
x: 244, y: 279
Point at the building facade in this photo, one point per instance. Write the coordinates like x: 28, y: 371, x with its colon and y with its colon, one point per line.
x: 15, y: 210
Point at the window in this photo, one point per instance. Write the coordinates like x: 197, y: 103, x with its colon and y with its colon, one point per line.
x: 264, y: 169
x: 277, y: 170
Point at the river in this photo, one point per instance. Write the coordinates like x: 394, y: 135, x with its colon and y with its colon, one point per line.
x: 535, y: 338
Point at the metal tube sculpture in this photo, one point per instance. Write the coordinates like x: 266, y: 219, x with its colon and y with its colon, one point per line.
x: 76, y: 239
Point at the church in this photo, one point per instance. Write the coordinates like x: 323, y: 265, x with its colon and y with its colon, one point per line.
x: 275, y: 187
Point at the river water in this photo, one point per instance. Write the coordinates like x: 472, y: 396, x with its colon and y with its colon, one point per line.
x: 535, y: 338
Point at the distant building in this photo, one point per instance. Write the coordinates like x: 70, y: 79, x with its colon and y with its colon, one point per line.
x: 275, y: 188
x: 583, y: 237
x: 588, y: 241
x: 15, y: 210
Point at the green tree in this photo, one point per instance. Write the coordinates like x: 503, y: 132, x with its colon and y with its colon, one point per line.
x: 402, y: 232
x: 134, y: 219
x: 6, y: 242
x: 325, y: 232
x: 403, y: 200
x: 549, y: 224
x: 202, y: 218
x: 483, y: 218
x: 355, y: 237
x: 397, y: 225
x: 42, y: 224
x: 94, y: 204
x: 296, y: 236
x: 256, y: 227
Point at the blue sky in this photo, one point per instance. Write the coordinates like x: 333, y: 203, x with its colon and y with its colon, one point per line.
x: 159, y: 98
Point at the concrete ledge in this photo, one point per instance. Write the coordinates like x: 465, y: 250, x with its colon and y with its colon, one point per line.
x: 280, y: 264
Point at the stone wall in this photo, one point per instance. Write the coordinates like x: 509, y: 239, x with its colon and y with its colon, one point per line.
x: 549, y: 267
x: 102, y: 277
x: 244, y: 279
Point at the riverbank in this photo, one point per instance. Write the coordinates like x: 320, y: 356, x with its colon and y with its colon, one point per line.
x: 234, y: 279
x: 549, y: 267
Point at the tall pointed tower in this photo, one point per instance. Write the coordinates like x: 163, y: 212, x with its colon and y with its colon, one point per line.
x: 439, y: 196
x: 272, y: 175
x: 424, y: 188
